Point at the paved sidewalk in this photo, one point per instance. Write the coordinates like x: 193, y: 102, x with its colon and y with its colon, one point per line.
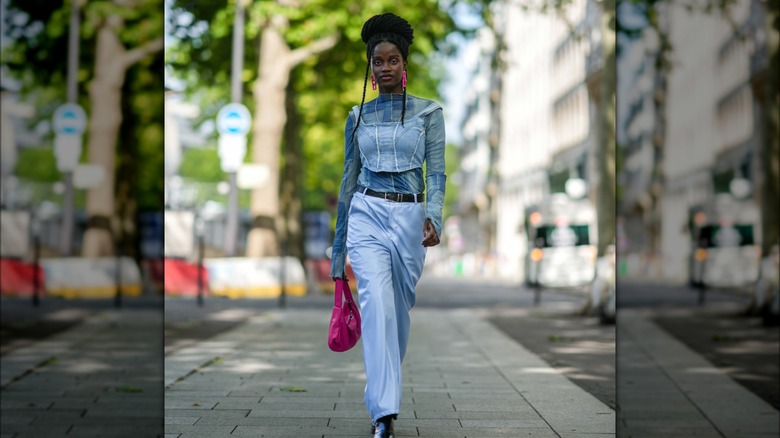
x: 666, y: 389
x: 101, y: 378
x: 275, y: 377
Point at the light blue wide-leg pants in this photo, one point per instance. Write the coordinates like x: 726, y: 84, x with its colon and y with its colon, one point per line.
x: 384, y: 243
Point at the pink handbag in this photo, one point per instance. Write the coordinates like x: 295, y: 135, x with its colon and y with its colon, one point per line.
x: 344, y: 330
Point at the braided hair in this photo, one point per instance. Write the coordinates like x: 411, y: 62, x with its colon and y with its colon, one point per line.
x: 388, y: 28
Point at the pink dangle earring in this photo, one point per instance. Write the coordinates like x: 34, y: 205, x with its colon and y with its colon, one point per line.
x: 373, y: 83
x: 404, y: 79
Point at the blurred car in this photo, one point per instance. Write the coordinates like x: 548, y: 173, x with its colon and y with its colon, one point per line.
x: 562, y: 239
x: 725, y: 242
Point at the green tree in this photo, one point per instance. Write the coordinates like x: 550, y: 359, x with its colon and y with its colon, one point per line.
x: 202, y: 165
x: 37, y: 164
x: 119, y: 80
x: 304, y: 67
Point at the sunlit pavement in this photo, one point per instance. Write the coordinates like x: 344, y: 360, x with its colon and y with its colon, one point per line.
x: 258, y: 369
x: 275, y: 376
x: 102, y: 374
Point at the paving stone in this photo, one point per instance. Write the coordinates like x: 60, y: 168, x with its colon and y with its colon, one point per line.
x: 189, y: 421
x: 195, y: 429
x: 116, y: 431
x: 37, y: 431
x: 265, y: 421
x: 237, y: 413
x: 544, y: 432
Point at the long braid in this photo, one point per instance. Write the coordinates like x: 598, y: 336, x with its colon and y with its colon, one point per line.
x: 362, y: 101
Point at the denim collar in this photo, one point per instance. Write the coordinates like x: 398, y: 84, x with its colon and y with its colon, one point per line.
x: 394, y: 97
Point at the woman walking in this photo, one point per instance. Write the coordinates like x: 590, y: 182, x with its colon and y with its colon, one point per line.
x: 385, y: 222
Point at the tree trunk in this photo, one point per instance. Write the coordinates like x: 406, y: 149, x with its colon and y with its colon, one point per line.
x: 653, y: 216
x: 269, y: 120
x: 291, y: 195
x: 269, y: 91
x: 601, y: 88
x: 606, y: 145
x: 770, y: 147
x: 105, y: 94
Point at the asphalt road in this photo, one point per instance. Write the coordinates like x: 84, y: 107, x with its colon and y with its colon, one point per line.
x: 719, y: 330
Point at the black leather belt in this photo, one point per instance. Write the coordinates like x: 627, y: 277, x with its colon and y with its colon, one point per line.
x: 395, y: 197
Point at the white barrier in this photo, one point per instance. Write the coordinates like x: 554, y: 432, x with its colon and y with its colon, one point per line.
x: 76, y: 277
x: 179, y: 234
x: 244, y: 277
x: 15, y: 233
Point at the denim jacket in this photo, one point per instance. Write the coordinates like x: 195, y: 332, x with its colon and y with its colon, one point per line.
x: 389, y: 158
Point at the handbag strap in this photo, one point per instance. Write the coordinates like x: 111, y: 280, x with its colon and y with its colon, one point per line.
x: 342, y: 292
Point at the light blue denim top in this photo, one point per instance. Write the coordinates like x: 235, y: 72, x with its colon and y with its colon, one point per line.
x: 391, y: 159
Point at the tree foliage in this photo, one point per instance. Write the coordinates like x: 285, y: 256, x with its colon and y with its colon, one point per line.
x: 326, y: 87
x: 37, y: 56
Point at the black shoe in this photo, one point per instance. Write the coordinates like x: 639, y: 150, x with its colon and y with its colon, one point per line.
x: 383, y: 428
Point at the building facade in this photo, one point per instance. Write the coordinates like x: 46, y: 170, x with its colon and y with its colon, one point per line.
x: 712, y: 119
x: 546, y: 113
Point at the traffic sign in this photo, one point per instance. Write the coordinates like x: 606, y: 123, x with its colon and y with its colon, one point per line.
x: 231, y: 149
x: 67, y: 151
x: 234, y: 119
x: 69, y: 119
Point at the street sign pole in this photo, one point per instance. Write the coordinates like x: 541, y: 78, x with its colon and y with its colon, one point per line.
x: 69, y: 123
x: 66, y: 234
x: 231, y: 228
x: 233, y: 122
x: 237, y: 65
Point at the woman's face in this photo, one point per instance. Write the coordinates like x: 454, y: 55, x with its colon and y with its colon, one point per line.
x: 387, y: 66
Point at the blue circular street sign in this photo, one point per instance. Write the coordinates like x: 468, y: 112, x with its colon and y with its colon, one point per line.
x: 234, y: 119
x: 70, y: 119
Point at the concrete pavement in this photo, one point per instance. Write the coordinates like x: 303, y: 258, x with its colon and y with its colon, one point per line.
x: 666, y: 389
x: 102, y: 377
x: 275, y: 376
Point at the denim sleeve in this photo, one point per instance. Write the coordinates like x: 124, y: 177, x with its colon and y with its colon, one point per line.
x: 435, y: 178
x: 348, y: 188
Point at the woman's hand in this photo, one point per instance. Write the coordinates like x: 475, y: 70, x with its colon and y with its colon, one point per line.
x: 430, y: 238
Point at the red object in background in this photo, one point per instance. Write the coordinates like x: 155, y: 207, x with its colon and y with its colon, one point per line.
x: 181, y: 278
x: 16, y: 278
x: 321, y: 269
x: 155, y: 269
